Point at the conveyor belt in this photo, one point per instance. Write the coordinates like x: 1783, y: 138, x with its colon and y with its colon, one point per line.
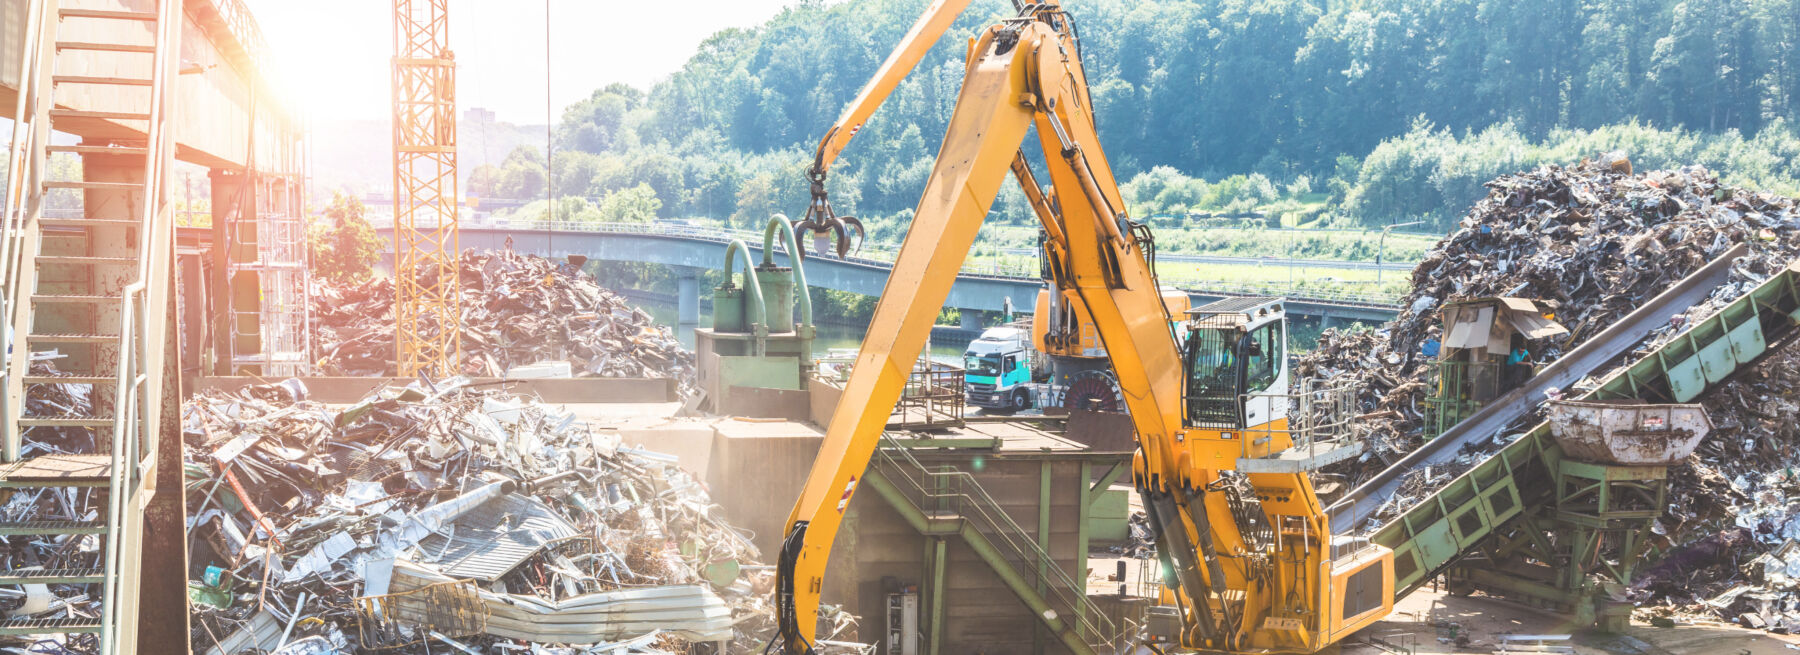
x: 1433, y: 532
x: 1592, y: 354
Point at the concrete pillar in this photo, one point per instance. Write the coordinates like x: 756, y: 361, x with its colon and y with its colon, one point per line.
x: 971, y: 320
x: 1324, y: 321
x: 108, y: 241
x: 687, y: 296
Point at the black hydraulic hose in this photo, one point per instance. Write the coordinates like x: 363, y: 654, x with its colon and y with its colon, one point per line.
x: 786, y: 615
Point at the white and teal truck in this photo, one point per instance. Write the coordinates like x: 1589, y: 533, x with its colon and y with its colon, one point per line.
x: 998, y: 369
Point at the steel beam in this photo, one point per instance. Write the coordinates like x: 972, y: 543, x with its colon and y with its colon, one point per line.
x: 1017, y: 584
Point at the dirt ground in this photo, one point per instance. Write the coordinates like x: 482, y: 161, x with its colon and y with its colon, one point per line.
x: 1484, y: 619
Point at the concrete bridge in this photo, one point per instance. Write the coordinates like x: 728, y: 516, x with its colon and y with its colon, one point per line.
x: 690, y: 250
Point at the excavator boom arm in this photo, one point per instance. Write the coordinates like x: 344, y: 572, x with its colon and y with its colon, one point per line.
x: 1250, y: 556
x: 924, y: 33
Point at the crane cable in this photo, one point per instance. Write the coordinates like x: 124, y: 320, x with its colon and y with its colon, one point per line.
x: 549, y: 147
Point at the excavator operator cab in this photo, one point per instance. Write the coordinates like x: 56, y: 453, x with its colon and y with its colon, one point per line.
x: 1235, y: 361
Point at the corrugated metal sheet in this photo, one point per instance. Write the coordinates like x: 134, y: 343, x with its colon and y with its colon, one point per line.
x: 690, y: 611
x: 493, y: 538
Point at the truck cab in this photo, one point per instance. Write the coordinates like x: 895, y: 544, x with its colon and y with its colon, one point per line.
x: 997, y: 369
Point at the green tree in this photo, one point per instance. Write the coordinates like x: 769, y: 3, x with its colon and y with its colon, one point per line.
x: 343, y: 246
x: 638, y: 204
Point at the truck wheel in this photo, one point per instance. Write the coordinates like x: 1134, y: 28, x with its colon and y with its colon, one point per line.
x: 1021, y: 399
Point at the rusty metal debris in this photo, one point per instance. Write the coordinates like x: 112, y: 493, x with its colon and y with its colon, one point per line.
x: 454, y: 517
x: 1590, y: 242
x: 1594, y: 241
x: 518, y: 311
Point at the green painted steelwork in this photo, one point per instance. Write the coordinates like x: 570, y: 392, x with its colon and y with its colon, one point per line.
x: 779, y: 227
x: 1024, y: 590
x: 970, y: 443
x: 1496, y: 506
x: 939, y: 559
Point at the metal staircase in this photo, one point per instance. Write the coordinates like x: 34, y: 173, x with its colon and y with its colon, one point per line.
x: 91, y: 288
x: 951, y: 502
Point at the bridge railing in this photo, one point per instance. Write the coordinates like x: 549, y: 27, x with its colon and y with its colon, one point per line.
x: 883, y: 255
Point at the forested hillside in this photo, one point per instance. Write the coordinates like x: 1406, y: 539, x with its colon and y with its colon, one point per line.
x: 1340, y: 112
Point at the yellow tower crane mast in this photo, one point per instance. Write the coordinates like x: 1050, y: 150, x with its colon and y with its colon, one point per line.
x: 428, y: 321
x: 1251, y: 563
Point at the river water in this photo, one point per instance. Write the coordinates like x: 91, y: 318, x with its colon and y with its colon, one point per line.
x: 830, y: 337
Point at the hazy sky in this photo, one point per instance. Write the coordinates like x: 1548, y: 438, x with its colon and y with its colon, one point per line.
x: 334, y: 54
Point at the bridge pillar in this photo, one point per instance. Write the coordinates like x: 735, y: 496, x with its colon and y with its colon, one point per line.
x: 1324, y: 321
x: 687, y: 296
x: 971, y: 320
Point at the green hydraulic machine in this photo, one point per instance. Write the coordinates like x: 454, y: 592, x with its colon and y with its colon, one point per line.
x: 1578, y: 554
x: 755, y: 359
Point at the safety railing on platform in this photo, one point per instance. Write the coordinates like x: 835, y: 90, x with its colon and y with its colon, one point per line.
x: 882, y: 255
x: 952, y: 493
x: 1456, y: 397
x: 1321, y: 419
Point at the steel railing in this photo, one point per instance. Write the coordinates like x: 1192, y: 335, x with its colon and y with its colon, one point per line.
x: 955, y: 493
x: 132, y: 431
x: 24, y: 198
x: 1321, y: 418
x: 883, y: 255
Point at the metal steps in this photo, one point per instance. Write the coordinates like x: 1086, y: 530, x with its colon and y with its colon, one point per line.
x: 102, y: 275
x: 57, y: 470
x: 99, y: 150
x: 147, y: 16
x: 51, y: 527
x: 106, y: 47
x: 85, y: 260
x: 46, y: 626
x: 53, y: 576
x: 77, y: 299
x: 66, y: 422
x: 107, y: 115
x: 69, y: 379
x: 94, y: 186
x: 86, y: 222
x: 71, y: 338
x: 91, y: 79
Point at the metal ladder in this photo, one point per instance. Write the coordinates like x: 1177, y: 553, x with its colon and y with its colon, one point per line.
x: 95, y: 286
x: 952, y: 502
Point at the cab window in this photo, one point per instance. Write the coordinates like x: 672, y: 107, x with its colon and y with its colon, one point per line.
x: 1262, y: 357
x: 1212, y: 377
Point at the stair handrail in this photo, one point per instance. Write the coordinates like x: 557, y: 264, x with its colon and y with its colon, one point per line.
x: 130, y: 417
x: 968, y: 494
x: 24, y: 196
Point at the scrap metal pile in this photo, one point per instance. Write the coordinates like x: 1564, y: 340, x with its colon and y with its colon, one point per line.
x: 454, y: 518
x: 1593, y: 242
x: 518, y: 310
x: 1734, y: 510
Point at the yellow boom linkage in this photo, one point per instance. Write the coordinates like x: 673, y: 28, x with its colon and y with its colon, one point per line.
x: 1238, y: 592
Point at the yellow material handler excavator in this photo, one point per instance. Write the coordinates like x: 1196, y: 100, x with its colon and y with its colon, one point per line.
x: 1250, y: 557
